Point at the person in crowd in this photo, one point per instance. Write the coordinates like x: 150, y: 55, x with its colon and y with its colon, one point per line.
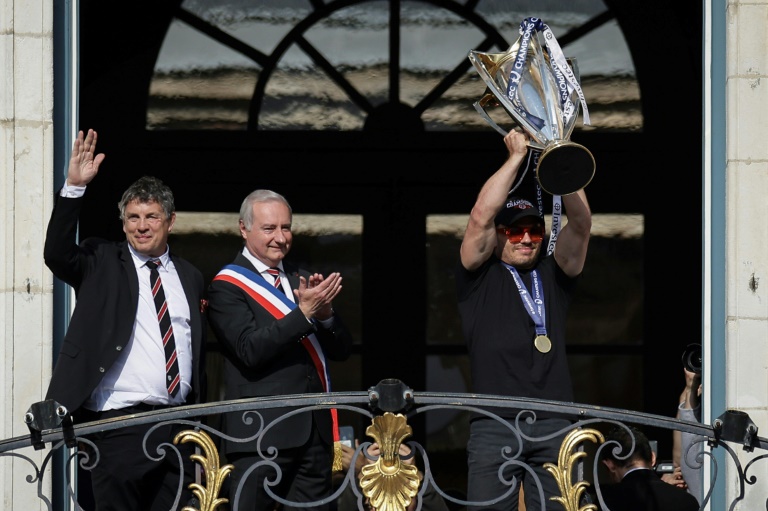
x: 278, y: 328
x: 136, y: 338
x: 684, y: 456
x: 628, y: 456
x: 513, y: 301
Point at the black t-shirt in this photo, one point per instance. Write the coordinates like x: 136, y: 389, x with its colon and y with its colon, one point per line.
x: 500, y: 332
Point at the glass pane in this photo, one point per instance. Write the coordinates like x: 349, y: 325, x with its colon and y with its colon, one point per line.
x: 307, y: 100
x: 611, y: 381
x: 444, y: 233
x: 608, y: 80
x: 206, y: 77
x: 199, y: 84
x: 607, y: 307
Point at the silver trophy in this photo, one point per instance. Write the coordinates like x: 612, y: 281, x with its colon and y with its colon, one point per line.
x: 540, y: 91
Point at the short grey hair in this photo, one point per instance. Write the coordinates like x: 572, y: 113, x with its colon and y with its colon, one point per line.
x: 148, y: 189
x: 246, y: 209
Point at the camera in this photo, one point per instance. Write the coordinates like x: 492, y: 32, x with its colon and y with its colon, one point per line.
x: 692, y: 358
x: 664, y: 467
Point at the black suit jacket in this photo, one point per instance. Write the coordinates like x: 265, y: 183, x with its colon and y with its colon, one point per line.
x: 106, y: 285
x: 264, y: 357
x: 643, y: 490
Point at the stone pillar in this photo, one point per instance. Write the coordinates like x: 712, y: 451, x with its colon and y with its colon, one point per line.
x: 26, y: 160
x: 746, y: 230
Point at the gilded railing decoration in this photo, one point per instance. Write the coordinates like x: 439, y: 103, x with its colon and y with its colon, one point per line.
x: 569, y: 456
x: 389, y: 483
x: 207, y: 495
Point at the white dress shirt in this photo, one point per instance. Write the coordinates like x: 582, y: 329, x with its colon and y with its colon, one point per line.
x: 138, y: 376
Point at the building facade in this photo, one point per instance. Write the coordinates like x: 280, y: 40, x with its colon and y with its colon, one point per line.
x: 38, y: 117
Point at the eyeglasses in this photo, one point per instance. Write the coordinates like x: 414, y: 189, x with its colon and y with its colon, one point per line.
x: 516, y: 233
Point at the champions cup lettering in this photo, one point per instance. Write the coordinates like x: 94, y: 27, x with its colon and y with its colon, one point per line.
x: 522, y: 53
x: 562, y: 85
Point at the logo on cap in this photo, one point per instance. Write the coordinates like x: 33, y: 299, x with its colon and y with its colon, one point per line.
x: 519, y: 204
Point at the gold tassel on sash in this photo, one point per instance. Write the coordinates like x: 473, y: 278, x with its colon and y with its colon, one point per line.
x: 337, y: 455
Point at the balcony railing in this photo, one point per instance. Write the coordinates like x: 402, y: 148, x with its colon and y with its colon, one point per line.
x: 387, y: 481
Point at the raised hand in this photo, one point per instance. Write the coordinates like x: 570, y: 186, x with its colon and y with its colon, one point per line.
x: 84, y: 164
x: 516, y: 142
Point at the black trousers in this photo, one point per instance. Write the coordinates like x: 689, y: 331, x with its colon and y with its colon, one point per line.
x: 487, y: 440
x: 126, y: 479
x: 304, y: 476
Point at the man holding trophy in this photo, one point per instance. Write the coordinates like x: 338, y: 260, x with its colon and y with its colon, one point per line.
x: 513, y: 303
x: 514, y: 296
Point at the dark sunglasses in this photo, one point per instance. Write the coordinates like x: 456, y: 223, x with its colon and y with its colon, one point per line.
x: 515, y: 234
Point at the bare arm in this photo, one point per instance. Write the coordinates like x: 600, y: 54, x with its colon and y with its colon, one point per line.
x: 480, y: 236
x: 677, y: 437
x: 573, y: 240
x: 692, y: 390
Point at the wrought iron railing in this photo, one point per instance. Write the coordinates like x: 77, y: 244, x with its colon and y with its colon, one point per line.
x: 388, y: 481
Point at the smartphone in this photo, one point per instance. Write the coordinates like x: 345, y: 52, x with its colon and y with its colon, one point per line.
x: 347, y: 435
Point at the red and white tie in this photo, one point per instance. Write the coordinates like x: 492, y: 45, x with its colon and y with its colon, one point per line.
x: 172, y: 376
x: 275, y: 272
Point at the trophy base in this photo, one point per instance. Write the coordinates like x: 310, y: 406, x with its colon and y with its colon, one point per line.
x: 565, y: 167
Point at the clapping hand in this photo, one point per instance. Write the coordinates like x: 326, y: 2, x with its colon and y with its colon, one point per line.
x: 315, y: 295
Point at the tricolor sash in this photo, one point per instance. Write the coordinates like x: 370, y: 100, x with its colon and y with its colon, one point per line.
x: 278, y: 305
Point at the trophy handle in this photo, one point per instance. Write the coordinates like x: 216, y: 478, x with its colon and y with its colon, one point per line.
x: 481, y: 110
x: 489, y: 99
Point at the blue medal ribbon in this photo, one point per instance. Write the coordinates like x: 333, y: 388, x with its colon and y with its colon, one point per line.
x: 534, y: 305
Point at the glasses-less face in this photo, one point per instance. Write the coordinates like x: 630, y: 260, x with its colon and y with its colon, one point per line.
x: 516, y: 233
x: 270, y: 237
x: 146, y: 227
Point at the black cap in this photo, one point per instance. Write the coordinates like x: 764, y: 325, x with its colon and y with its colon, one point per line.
x: 516, y: 208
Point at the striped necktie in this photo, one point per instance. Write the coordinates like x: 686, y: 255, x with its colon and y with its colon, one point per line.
x: 172, y: 376
x: 275, y: 272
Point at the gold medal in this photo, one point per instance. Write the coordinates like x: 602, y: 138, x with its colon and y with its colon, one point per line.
x: 542, y: 343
